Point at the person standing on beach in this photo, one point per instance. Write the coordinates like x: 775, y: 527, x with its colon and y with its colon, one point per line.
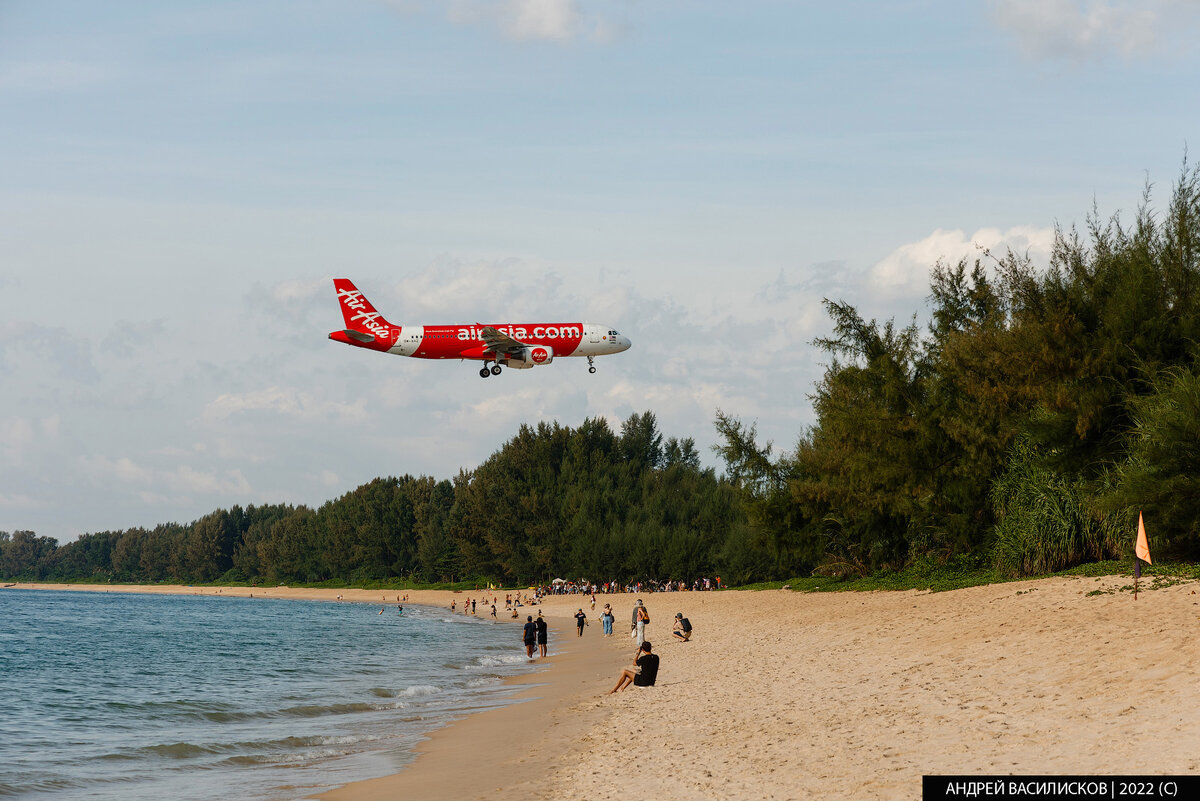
x: 493, y: 611
x: 580, y: 622
x: 607, y: 617
x: 530, y: 636
x: 543, y: 635
x: 640, y: 618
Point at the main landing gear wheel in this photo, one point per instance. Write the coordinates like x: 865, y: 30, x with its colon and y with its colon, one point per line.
x: 483, y: 373
x: 495, y: 369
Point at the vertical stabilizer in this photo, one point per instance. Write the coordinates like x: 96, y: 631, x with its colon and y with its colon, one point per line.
x: 359, y: 314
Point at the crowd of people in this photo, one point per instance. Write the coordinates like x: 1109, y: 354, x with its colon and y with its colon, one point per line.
x: 584, y: 587
x: 644, y: 670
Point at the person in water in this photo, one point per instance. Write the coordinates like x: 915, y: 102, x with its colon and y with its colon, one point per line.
x: 530, y: 636
x: 543, y: 635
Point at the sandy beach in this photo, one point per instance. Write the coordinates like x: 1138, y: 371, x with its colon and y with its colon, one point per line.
x: 841, y: 695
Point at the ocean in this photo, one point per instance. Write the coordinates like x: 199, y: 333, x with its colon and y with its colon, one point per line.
x: 131, y: 696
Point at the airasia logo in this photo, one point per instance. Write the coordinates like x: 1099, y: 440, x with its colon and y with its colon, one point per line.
x: 366, y: 317
x: 538, y: 355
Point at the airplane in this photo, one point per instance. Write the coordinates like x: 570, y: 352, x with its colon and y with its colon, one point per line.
x: 517, y: 345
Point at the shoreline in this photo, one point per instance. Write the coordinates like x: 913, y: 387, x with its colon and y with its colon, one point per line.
x: 575, y: 670
x: 783, y: 695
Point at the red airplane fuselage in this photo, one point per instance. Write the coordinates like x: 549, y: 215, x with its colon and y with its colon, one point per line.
x: 517, y: 345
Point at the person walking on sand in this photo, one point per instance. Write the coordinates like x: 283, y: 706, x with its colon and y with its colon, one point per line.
x: 543, y: 635
x: 643, y: 673
x: 607, y: 617
x: 640, y: 618
x: 580, y: 621
x: 493, y: 611
x: 530, y: 636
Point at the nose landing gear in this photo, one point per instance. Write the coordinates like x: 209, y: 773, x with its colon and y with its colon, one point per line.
x: 591, y: 367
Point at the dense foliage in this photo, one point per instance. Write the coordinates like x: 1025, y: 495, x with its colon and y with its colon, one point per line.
x: 554, y: 501
x: 1040, y: 411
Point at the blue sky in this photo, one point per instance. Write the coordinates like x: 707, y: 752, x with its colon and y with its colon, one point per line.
x: 180, y: 182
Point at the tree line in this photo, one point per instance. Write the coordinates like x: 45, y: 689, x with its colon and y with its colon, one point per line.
x: 553, y: 501
x: 1023, y: 429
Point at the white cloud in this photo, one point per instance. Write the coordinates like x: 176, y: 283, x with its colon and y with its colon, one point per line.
x: 18, y: 501
x: 554, y: 20
x: 1080, y: 30
x: 287, y: 401
x: 123, y: 469
x: 227, y: 483
x: 905, y: 271
x: 528, y: 20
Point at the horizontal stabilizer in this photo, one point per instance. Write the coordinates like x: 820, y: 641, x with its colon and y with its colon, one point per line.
x: 359, y: 336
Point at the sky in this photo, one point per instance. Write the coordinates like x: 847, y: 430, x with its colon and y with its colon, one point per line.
x: 179, y: 183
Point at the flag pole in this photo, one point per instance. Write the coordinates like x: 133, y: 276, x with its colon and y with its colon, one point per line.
x: 1141, y: 553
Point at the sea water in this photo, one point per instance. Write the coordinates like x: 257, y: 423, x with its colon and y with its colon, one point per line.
x: 131, y: 696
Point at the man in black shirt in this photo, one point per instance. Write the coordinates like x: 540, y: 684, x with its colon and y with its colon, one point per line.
x: 643, y: 673
x: 530, y: 636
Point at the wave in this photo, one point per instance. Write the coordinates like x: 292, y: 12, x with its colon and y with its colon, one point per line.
x: 496, y: 661
x: 281, y: 746
x: 412, y: 691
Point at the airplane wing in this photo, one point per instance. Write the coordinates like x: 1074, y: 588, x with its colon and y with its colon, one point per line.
x: 498, y: 344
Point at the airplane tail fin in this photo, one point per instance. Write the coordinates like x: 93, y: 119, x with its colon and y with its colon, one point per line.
x: 363, y: 323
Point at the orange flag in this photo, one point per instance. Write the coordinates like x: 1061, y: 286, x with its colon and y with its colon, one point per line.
x: 1142, y: 549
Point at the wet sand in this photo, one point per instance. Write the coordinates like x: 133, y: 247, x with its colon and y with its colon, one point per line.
x: 842, y: 695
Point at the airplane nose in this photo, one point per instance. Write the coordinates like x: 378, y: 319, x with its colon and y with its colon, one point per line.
x: 626, y: 344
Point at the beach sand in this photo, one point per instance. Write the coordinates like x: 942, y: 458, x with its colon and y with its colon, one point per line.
x: 785, y: 695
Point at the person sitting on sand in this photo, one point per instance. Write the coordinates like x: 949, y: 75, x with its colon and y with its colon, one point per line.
x: 643, y: 673
x: 683, y: 628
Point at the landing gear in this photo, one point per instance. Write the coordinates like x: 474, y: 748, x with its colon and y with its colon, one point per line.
x: 495, y: 369
x: 483, y: 373
x: 591, y: 367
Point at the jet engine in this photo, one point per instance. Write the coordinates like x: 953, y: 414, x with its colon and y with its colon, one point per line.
x: 532, y: 356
